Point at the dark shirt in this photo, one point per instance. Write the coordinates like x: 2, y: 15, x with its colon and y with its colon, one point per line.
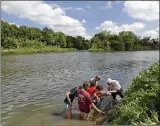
x: 72, y: 95
x: 92, y: 82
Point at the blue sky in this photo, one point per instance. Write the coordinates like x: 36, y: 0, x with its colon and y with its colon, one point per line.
x: 85, y: 18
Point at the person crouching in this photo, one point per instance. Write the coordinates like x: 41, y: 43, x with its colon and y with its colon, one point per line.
x: 70, y: 96
x: 114, y: 88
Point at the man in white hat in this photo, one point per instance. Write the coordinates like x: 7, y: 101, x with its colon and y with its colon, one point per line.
x: 114, y: 88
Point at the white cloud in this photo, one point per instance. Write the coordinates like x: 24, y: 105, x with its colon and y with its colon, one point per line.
x: 79, y: 9
x: 152, y: 33
x: 145, y: 10
x: 83, y: 21
x: 14, y: 24
x: 114, y: 28
x: 88, y: 37
x: 44, y: 14
x: 54, y: 6
x: 157, y: 29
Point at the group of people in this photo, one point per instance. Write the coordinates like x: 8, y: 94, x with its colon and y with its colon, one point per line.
x: 88, y: 96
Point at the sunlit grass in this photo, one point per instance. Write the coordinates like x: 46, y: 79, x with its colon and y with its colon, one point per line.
x: 36, y: 50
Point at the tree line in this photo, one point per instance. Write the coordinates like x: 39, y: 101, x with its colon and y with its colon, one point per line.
x: 124, y: 41
x: 23, y: 36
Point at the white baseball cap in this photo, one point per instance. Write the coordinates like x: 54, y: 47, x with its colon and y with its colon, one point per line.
x: 109, y: 80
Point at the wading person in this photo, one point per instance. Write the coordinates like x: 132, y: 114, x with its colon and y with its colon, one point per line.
x: 70, y: 96
x: 94, y: 81
x: 85, y: 102
x: 114, y: 88
x: 95, y: 98
x: 97, y: 94
x: 94, y: 92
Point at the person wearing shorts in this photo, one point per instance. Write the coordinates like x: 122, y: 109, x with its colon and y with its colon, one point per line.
x: 85, y: 102
x: 69, y: 99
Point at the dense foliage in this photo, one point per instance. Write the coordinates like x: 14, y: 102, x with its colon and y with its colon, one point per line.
x: 23, y: 36
x: 124, y: 41
x: 141, y: 104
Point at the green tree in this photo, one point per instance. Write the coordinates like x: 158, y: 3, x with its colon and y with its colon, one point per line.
x: 60, y: 39
x: 70, y: 41
x: 48, y: 36
x: 116, y: 43
x: 128, y: 38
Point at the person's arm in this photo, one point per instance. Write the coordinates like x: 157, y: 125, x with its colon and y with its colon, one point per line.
x: 116, y: 87
x: 109, y: 88
x: 113, y: 91
x: 89, y: 101
x: 95, y: 96
x: 104, y: 92
x: 98, y: 110
x: 107, y: 92
x: 67, y: 95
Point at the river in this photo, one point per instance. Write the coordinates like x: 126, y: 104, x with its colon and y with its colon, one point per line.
x: 33, y: 86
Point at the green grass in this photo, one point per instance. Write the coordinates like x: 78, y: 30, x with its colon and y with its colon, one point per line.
x: 97, y: 50
x: 142, y: 96
x: 35, y: 50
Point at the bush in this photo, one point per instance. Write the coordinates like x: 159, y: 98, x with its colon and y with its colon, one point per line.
x: 141, y: 104
x: 33, y: 44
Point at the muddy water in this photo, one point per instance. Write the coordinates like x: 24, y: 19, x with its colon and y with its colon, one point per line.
x: 33, y: 86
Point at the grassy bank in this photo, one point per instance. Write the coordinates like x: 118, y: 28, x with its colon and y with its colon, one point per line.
x: 35, y: 50
x: 97, y: 50
x: 141, y: 104
x: 111, y: 50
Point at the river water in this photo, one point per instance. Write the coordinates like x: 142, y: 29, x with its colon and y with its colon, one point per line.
x: 33, y: 86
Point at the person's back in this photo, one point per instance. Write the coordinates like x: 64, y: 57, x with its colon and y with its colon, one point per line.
x: 84, y: 100
x: 115, y: 85
x: 91, y: 90
x: 94, y: 81
x: 114, y: 88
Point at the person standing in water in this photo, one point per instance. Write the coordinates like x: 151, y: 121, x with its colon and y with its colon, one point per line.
x: 94, y: 81
x: 70, y: 96
x: 85, y: 102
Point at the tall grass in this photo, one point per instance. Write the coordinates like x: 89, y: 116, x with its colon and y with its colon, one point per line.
x: 141, y: 104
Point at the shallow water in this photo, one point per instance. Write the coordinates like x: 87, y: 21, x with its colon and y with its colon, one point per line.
x: 34, y: 85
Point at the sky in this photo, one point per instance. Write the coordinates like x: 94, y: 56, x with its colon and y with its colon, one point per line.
x: 85, y: 18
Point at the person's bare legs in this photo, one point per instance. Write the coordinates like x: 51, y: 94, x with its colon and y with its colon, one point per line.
x: 69, y: 114
x: 81, y: 114
x: 85, y: 116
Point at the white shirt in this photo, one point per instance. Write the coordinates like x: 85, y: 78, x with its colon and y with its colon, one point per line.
x: 115, y: 85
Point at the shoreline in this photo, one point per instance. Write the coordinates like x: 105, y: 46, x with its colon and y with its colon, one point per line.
x: 102, y: 50
x: 138, y: 96
x: 54, y: 49
x: 34, y: 50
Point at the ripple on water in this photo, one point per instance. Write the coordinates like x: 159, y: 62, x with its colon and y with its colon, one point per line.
x: 32, y: 79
